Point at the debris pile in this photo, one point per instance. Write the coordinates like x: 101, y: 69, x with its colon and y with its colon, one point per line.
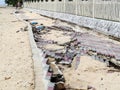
x: 71, y: 45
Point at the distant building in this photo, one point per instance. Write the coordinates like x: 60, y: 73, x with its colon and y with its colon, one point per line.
x: 2, y: 3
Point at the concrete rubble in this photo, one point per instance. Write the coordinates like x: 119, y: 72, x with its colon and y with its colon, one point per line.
x: 78, y: 44
x: 75, y: 60
x: 106, y: 27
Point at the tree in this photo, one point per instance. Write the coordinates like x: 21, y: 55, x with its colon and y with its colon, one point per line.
x: 12, y: 2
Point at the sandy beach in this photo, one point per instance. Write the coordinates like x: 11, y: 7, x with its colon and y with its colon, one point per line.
x: 16, y: 68
x: 16, y: 64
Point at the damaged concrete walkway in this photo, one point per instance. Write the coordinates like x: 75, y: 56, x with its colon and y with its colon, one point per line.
x: 16, y: 65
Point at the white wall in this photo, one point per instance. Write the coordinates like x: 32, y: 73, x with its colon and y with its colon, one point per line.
x: 101, y: 9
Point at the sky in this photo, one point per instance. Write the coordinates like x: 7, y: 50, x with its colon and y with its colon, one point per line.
x: 2, y: 2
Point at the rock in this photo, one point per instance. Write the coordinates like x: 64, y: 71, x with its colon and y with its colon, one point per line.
x: 17, y: 31
x: 21, y: 42
x: 31, y: 84
x: 50, y: 59
x: 55, y: 68
x: 101, y: 78
x: 7, y: 78
x: 57, y: 78
x: 59, y: 86
x: 90, y: 88
x: 26, y: 28
x: 17, y: 12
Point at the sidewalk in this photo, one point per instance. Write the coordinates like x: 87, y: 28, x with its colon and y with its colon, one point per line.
x: 16, y: 65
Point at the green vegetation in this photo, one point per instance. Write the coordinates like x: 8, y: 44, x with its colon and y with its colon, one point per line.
x: 12, y: 2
